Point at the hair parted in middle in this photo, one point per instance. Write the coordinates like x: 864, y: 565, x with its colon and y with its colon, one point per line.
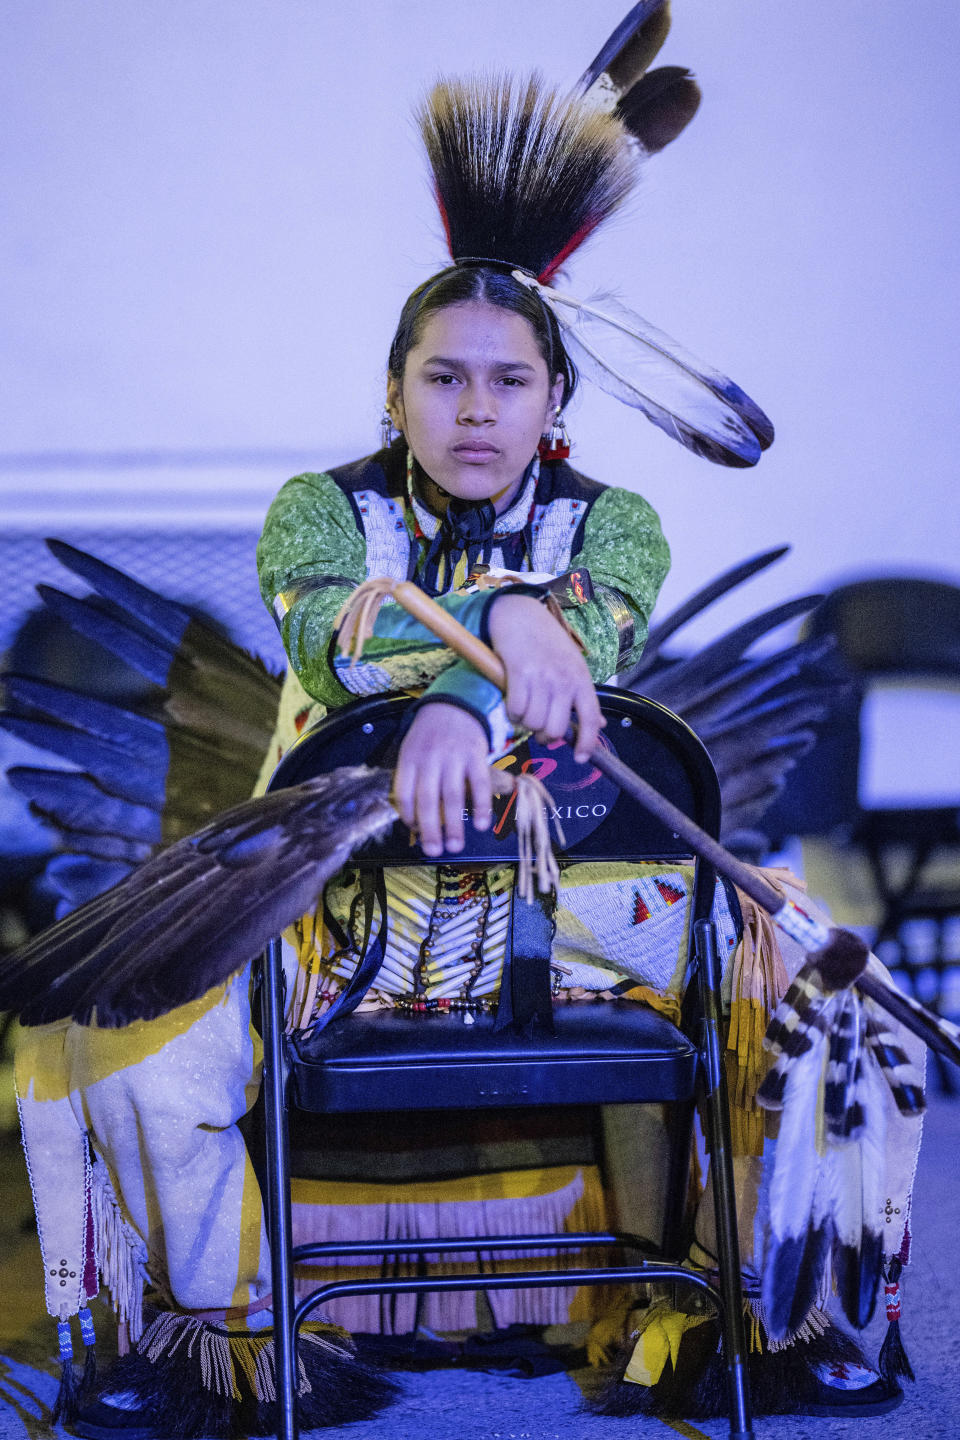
x: 461, y: 284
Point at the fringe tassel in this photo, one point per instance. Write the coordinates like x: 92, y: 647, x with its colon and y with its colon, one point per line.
x: 165, y: 1336
x: 758, y: 984
x: 74, y: 1387
x: 553, y: 1200
x: 257, y: 1361
x: 533, y: 837
x: 89, y: 1338
x: 192, y: 1378
x: 121, y: 1254
x: 67, y: 1402
x: 353, y: 625
x: 692, y: 1379
x: 893, y: 1361
x: 257, y: 1357
x: 221, y: 1351
x: 816, y: 1323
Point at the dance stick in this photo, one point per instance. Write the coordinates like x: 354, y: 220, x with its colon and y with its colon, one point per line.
x: 842, y: 957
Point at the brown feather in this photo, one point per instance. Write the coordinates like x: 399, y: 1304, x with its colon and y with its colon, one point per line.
x: 659, y: 106
x: 199, y: 910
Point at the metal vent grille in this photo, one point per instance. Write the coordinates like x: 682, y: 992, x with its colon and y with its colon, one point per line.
x: 214, y: 570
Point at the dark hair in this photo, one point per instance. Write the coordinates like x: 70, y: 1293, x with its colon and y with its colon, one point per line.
x: 459, y: 284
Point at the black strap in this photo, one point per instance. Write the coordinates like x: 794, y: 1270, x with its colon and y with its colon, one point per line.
x: 525, y: 998
x: 373, y: 891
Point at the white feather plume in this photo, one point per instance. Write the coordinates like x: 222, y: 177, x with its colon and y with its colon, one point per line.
x: 639, y: 365
x: 854, y: 1182
x: 794, y: 1254
x: 799, y: 1147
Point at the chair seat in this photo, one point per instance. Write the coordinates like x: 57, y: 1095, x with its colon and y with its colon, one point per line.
x: 606, y: 1052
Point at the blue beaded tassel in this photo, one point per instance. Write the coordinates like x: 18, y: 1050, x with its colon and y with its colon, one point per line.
x: 89, y: 1338
x: 72, y: 1386
x: 65, y: 1405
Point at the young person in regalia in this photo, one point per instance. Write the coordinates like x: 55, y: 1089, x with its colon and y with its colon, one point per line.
x: 472, y: 483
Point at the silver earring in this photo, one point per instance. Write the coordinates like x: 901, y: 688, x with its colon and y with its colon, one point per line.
x: 387, y: 432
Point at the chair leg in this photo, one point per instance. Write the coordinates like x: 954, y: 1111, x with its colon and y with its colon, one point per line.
x: 279, y: 1223
x: 717, y: 1125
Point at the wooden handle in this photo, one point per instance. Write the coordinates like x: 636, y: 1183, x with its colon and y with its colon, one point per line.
x: 450, y: 631
x: 702, y: 844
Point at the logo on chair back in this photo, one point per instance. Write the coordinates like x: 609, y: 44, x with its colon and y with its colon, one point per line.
x: 582, y: 796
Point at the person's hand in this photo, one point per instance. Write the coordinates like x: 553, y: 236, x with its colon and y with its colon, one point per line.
x: 442, y: 755
x: 548, y: 683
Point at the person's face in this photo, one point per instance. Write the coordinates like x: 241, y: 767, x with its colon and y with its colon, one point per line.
x: 474, y: 400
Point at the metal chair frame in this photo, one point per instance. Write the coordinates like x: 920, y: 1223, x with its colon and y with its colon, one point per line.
x: 679, y: 764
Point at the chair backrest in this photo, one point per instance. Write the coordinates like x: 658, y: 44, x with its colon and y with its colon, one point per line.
x: 901, y: 626
x: 599, y: 822
x: 888, y: 628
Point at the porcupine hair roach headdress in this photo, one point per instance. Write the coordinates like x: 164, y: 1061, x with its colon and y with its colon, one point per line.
x: 522, y: 176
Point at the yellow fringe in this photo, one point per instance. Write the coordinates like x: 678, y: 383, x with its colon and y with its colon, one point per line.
x: 608, y: 1331
x: 665, y: 1003
x: 658, y: 1333
x: 758, y: 984
x: 310, y: 966
x: 659, y: 1337
x: 249, y: 1354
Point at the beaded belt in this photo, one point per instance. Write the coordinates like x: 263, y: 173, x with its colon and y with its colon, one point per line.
x: 408, y: 1005
x: 444, y: 1007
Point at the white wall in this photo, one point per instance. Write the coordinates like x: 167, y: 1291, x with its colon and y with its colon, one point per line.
x: 216, y: 207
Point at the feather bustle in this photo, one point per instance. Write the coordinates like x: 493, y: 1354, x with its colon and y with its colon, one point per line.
x: 153, y: 770
x: 714, y: 590
x: 162, y: 617
x: 757, y: 716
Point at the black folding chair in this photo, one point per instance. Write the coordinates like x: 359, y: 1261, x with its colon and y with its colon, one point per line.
x: 601, y: 1054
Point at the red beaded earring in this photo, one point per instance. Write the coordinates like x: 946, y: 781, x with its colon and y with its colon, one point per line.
x: 556, y: 445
